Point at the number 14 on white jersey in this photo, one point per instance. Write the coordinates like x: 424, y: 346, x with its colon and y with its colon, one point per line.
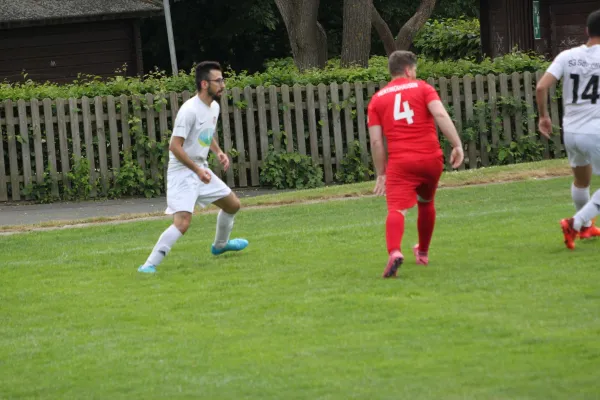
x: 400, y: 114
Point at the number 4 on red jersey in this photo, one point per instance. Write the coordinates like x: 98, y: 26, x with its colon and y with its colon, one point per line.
x: 399, y: 114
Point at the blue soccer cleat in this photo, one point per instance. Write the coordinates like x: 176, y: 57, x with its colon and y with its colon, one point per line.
x: 232, y: 245
x: 147, y: 269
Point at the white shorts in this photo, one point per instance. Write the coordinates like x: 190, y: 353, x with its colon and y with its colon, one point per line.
x: 583, y: 149
x: 185, y: 190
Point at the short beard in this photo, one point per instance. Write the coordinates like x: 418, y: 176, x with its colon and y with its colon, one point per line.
x: 216, y: 97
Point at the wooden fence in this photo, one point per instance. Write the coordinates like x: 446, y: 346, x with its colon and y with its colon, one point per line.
x: 318, y: 121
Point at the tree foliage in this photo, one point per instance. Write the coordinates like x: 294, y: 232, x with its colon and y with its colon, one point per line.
x: 238, y: 33
x: 449, y: 39
x: 243, y: 34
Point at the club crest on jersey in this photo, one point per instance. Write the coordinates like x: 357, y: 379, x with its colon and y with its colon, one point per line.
x: 205, y: 137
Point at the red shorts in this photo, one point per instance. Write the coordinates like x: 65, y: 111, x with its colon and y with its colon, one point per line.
x: 407, y: 179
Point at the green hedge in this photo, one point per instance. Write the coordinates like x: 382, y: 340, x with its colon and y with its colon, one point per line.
x: 277, y: 73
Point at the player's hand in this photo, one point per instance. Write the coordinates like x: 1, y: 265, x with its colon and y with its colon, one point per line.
x: 380, y: 186
x: 457, y: 156
x: 545, y: 126
x: 204, y: 175
x: 224, y: 160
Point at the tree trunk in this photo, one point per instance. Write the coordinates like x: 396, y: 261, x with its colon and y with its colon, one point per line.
x: 322, y: 55
x: 308, y: 39
x: 383, y: 30
x: 408, y: 30
x: 413, y: 25
x: 356, y: 39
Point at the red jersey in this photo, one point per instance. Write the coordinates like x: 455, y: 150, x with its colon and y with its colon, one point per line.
x: 401, y: 110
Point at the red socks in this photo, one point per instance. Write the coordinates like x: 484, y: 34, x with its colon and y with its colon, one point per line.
x: 394, y: 230
x: 425, y: 224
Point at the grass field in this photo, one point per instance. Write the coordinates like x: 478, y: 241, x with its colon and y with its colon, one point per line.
x: 504, y: 311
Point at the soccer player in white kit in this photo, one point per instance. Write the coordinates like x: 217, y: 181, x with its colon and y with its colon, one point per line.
x: 189, y: 180
x: 579, y: 69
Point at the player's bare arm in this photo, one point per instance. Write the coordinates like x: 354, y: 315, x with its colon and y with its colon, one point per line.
x: 541, y: 98
x: 379, y: 158
x: 221, y: 156
x: 176, y: 148
x: 444, y: 122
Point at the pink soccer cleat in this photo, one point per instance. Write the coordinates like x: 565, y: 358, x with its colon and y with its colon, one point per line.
x: 394, y: 262
x: 421, y: 257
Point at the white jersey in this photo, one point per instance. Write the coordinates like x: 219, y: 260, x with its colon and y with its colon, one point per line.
x: 579, y: 69
x: 196, y: 123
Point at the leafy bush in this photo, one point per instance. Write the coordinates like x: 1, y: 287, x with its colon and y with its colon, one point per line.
x: 79, y: 180
x: 525, y: 149
x: 42, y: 192
x: 90, y: 86
x: 79, y: 185
x: 449, y: 39
x: 290, y: 171
x: 353, y: 169
x: 278, y: 72
x: 281, y: 72
x: 131, y: 180
x: 504, y: 147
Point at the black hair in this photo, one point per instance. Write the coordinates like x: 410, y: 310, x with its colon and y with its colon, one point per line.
x: 203, y: 71
x: 593, y: 24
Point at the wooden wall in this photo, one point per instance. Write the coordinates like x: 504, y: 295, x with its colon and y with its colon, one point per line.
x: 563, y: 24
x: 59, y: 52
x: 506, y: 24
x: 493, y: 27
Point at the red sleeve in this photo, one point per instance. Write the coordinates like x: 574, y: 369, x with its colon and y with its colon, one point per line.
x: 429, y: 93
x: 372, y: 115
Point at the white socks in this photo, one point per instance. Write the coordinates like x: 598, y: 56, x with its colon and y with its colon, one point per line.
x: 588, y: 212
x: 172, y: 234
x: 163, y: 246
x: 580, y: 196
x: 224, y: 227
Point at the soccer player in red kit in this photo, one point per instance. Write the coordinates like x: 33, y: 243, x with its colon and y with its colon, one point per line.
x: 405, y: 112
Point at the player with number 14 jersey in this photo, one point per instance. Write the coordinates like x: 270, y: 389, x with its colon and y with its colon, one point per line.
x: 579, y: 69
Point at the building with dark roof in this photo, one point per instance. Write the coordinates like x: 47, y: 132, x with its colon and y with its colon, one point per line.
x: 54, y: 40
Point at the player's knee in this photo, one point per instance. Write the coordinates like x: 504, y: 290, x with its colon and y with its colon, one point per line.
x: 582, y: 176
x: 582, y: 182
x: 182, y: 223
x: 236, y: 206
x: 233, y: 206
x: 183, y: 226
